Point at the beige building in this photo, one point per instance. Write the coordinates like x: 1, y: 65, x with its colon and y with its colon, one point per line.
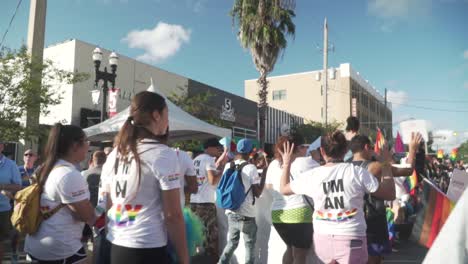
x: 348, y: 94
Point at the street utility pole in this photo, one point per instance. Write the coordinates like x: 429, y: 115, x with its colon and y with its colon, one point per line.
x: 325, y: 73
x: 36, y: 35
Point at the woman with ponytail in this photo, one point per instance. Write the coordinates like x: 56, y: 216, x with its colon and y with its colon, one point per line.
x: 64, y: 199
x: 140, y: 188
x: 337, y: 189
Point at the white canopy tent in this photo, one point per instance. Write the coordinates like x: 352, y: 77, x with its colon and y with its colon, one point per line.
x: 182, y: 125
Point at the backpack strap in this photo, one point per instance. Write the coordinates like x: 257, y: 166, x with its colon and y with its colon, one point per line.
x: 239, y: 168
x: 304, y: 196
x: 50, y: 213
x: 365, y: 164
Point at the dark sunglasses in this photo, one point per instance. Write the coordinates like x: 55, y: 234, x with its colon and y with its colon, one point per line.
x: 28, y: 154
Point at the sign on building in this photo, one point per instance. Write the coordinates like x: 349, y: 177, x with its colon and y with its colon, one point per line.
x: 227, y: 111
x: 113, y: 94
x: 354, y: 107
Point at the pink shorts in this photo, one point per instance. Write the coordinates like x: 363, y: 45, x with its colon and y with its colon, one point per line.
x: 340, y: 249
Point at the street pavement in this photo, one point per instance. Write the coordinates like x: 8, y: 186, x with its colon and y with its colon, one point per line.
x: 406, y: 252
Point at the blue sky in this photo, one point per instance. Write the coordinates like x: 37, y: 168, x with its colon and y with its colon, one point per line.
x: 417, y: 49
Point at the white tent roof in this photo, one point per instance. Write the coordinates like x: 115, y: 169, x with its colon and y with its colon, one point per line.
x: 182, y: 125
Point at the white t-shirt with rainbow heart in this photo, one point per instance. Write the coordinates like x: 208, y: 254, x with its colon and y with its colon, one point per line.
x: 136, y: 219
x: 338, y: 194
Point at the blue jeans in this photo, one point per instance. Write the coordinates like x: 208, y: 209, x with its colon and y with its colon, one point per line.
x: 246, y: 225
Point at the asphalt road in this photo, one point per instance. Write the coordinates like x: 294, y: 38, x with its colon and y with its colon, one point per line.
x: 406, y: 252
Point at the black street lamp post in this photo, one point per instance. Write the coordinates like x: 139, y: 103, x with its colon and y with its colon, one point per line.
x: 105, y: 77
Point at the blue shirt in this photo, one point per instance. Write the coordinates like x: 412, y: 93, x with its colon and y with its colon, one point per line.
x: 26, y: 172
x: 9, y: 174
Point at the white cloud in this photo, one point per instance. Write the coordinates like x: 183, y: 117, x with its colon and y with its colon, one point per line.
x: 397, y: 98
x: 465, y: 54
x: 391, y: 12
x: 448, y: 139
x: 159, y: 43
x: 389, y: 8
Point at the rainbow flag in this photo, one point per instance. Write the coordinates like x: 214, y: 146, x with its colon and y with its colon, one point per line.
x: 411, y: 182
x: 390, y: 223
x: 440, y: 154
x: 454, y: 154
x: 431, y: 218
x: 379, y: 141
x: 399, y: 147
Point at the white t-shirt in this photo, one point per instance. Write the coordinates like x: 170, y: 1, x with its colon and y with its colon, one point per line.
x: 338, y: 193
x: 249, y: 177
x: 59, y: 236
x: 184, y: 168
x: 136, y: 218
x: 206, y: 191
x: 301, y: 165
x: 287, y: 202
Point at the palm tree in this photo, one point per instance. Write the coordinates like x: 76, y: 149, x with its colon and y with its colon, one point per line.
x: 263, y: 27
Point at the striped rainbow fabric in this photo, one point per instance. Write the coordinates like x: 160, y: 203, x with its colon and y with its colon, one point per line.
x: 379, y: 141
x: 411, y: 182
x: 431, y: 218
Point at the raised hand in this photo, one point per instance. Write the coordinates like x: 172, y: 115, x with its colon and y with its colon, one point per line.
x: 416, y: 139
x: 386, y: 155
x: 287, y: 152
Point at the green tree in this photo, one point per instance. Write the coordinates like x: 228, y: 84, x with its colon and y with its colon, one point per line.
x: 311, y: 130
x: 463, y: 152
x: 263, y: 28
x: 197, y: 105
x: 18, y: 92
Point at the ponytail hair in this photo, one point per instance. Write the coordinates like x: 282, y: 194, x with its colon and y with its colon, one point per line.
x: 61, y: 139
x: 334, y: 144
x: 135, y: 128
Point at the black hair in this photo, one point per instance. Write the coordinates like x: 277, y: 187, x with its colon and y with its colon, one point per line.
x: 61, y: 139
x: 334, y: 144
x: 134, y: 129
x: 352, y: 124
x: 358, y: 143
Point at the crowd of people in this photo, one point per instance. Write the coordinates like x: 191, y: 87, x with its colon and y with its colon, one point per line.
x: 332, y: 199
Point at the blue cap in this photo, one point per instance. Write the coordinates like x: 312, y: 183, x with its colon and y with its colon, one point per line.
x: 244, y: 146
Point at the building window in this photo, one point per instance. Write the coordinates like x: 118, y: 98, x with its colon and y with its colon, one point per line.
x: 279, y: 95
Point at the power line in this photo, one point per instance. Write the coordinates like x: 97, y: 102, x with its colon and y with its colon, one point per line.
x: 9, y: 25
x: 414, y: 106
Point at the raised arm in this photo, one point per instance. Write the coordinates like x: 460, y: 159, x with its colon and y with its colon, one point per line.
x: 416, y: 139
x: 386, y: 190
x: 287, y: 155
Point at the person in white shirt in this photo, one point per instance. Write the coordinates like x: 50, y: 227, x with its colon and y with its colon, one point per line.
x: 202, y: 203
x: 243, y: 219
x: 65, y: 198
x: 291, y: 215
x: 337, y: 189
x: 140, y: 188
x: 187, y: 175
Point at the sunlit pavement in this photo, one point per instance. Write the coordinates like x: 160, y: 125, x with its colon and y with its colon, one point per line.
x: 406, y: 252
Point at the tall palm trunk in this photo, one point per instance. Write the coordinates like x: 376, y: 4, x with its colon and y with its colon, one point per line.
x: 262, y: 104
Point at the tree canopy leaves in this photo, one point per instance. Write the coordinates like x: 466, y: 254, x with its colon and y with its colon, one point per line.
x: 19, y: 92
